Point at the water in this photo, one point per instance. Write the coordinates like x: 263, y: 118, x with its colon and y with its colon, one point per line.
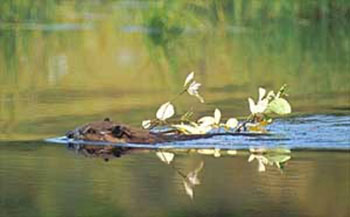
x: 316, y: 132
x: 65, y: 63
x: 39, y: 179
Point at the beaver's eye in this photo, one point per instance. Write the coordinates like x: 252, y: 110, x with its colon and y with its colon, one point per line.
x: 70, y: 134
x: 117, y: 131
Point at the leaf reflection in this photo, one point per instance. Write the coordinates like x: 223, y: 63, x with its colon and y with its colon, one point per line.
x: 272, y: 157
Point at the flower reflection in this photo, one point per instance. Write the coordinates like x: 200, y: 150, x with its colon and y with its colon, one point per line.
x: 191, y: 180
x: 166, y: 157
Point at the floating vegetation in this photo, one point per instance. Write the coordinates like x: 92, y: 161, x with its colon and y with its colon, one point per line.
x: 268, y: 103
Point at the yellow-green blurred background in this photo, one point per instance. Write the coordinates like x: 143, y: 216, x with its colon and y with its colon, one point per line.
x: 63, y: 63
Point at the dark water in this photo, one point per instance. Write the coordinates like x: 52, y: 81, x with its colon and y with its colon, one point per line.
x: 65, y: 63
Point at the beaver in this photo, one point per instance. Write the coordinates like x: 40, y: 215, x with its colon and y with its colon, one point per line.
x: 113, y: 132
x: 109, y: 131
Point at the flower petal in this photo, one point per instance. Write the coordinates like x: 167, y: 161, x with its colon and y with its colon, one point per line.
x: 206, y: 121
x: 262, y: 93
x: 189, y: 78
x: 252, y: 106
x: 193, y: 88
x: 217, y: 116
x: 261, y: 106
x: 232, y: 123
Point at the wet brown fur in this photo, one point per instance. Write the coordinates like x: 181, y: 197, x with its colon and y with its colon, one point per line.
x: 109, y: 131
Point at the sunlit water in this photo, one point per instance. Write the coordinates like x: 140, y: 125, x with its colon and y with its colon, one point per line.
x: 65, y: 63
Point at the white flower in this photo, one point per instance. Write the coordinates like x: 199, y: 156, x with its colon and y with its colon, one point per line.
x: 165, y: 111
x: 193, y: 90
x: 209, y: 120
x: 193, y: 87
x: 231, y: 123
x: 189, y: 78
x: 261, y: 105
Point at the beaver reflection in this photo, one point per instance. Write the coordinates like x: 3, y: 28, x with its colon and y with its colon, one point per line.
x: 100, y: 151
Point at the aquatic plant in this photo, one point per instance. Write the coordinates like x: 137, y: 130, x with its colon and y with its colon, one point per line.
x: 268, y: 103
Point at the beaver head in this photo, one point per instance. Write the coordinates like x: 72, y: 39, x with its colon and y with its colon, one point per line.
x: 109, y: 131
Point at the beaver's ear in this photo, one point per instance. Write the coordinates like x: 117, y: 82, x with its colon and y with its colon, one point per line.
x: 107, y: 119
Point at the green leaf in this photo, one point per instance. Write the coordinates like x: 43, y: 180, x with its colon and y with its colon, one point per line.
x: 279, y: 106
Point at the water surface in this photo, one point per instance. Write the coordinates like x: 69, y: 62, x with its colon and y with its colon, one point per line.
x: 65, y: 63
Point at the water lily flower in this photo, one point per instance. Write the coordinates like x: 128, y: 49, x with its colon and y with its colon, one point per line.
x: 165, y: 111
x: 261, y: 105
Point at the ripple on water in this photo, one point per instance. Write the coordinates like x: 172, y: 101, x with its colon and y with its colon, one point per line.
x: 330, y: 132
